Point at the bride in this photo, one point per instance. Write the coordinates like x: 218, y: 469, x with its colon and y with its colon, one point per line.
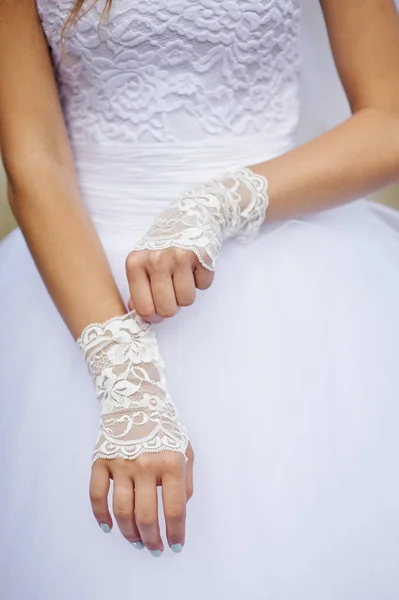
x: 147, y: 147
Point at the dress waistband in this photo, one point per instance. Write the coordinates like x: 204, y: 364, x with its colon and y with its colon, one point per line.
x: 131, y: 183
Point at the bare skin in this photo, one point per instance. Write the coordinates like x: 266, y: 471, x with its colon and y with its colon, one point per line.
x: 43, y: 190
x: 357, y: 157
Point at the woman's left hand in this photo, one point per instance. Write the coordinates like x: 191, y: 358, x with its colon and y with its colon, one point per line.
x: 179, y: 252
x: 161, y: 281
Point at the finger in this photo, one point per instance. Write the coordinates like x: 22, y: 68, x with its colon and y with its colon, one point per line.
x: 184, y: 284
x: 154, y: 319
x: 140, y: 288
x: 174, y: 505
x: 189, y: 473
x: 203, y: 278
x: 146, y: 514
x: 163, y: 294
x: 123, y: 507
x: 98, y: 490
x: 161, y: 265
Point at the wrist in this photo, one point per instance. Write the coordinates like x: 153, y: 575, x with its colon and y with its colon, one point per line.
x: 137, y: 415
x: 245, y: 203
x: 202, y: 218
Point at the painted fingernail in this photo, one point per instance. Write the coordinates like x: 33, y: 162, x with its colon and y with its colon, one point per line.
x: 138, y: 545
x: 176, y: 548
x: 155, y: 553
x: 106, y: 528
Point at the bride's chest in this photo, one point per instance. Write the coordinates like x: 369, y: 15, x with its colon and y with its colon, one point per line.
x: 154, y: 24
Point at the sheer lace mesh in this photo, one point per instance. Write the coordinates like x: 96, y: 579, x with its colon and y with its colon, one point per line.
x: 137, y: 414
x: 233, y: 206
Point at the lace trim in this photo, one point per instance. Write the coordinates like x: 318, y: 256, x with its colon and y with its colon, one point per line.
x: 137, y: 414
x: 233, y: 206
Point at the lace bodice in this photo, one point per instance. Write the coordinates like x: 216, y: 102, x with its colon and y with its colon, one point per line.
x: 177, y: 70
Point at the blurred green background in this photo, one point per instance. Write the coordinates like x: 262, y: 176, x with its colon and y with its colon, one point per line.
x: 7, y: 222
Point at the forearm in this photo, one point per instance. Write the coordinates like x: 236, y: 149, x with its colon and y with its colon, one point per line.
x: 45, y: 199
x: 356, y: 158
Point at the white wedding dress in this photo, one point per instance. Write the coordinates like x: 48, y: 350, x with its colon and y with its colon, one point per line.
x: 285, y: 371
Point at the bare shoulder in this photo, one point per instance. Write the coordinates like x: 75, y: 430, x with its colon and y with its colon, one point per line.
x: 18, y: 18
x: 370, y: 14
x: 364, y: 36
x: 30, y: 114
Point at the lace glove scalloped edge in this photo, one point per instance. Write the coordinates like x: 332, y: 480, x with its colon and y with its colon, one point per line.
x: 137, y: 413
x: 202, y: 218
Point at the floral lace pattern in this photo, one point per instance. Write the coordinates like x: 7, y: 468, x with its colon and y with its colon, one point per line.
x: 137, y: 414
x: 233, y: 206
x: 177, y: 70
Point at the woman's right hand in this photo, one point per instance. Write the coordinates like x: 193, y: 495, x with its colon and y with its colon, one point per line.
x: 135, y: 498
x: 142, y: 443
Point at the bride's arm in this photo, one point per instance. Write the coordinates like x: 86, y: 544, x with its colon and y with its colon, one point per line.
x: 45, y: 198
x: 362, y: 154
x: 42, y: 183
x: 355, y: 158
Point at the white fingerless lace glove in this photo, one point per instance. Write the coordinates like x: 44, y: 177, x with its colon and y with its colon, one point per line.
x: 137, y: 414
x: 202, y: 218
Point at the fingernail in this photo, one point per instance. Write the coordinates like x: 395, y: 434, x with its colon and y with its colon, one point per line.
x: 155, y: 553
x: 138, y: 545
x: 106, y: 528
x: 176, y: 548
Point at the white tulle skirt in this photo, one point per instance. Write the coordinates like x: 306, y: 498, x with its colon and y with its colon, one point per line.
x: 286, y: 374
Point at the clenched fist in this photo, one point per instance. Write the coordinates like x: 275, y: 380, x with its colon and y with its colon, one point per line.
x: 160, y: 281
